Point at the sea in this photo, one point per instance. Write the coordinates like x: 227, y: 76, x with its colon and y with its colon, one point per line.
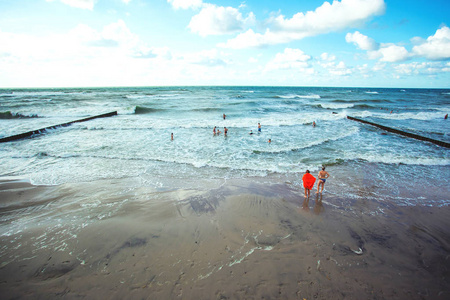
x: 364, y: 162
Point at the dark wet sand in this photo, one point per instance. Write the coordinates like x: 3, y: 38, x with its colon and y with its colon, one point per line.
x: 244, y: 240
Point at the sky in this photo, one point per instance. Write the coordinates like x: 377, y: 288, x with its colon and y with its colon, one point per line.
x: 342, y: 43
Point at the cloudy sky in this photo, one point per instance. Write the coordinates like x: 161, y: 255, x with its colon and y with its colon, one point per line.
x: 366, y: 43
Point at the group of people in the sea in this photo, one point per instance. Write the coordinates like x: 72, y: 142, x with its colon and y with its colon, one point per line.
x: 308, y: 179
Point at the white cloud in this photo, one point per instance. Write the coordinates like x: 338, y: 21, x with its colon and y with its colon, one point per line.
x: 289, y: 59
x: 115, y: 35
x: 326, y: 18
x: 363, y: 42
x: 215, y: 20
x: 422, y: 68
x: 83, y: 49
x: 148, y: 52
x: 84, y: 4
x: 436, y: 47
x: 185, y: 4
x: 326, y: 57
x: 339, y: 69
x: 446, y: 68
x: 209, y: 58
x: 247, y: 39
x: 119, y: 32
x: 379, y: 66
x: 364, y: 70
x: 392, y: 53
x: 383, y: 52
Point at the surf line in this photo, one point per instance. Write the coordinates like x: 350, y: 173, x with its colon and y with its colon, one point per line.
x: 43, y: 130
x: 408, y: 134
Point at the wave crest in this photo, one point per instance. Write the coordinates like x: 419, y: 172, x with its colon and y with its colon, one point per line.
x: 145, y: 110
x: 294, y: 96
x: 10, y: 115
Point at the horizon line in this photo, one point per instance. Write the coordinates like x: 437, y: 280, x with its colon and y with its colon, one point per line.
x: 165, y: 86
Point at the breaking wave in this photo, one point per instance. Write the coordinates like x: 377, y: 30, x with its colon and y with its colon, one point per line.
x: 10, y: 115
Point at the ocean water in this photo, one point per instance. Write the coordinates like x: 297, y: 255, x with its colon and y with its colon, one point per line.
x: 137, y: 143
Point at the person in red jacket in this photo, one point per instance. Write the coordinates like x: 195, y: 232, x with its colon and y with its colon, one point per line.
x: 308, y: 183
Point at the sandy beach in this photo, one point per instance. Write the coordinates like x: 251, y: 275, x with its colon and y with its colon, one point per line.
x: 245, y: 239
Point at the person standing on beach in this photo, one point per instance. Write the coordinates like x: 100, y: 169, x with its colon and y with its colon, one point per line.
x: 308, y: 183
x: 225, y: 131
x: 171, y: 136
x: 259, y: 127
x: 323, y: 175
x: 224, y: 116
x: 214, y: 130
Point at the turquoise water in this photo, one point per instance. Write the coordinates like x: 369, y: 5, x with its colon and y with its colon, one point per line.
x: 136, y: 142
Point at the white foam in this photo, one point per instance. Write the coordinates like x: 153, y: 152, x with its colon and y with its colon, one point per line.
x: 336, y: 105
x: 293, y: 96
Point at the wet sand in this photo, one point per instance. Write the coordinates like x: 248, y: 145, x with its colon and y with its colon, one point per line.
x: 245, y: 239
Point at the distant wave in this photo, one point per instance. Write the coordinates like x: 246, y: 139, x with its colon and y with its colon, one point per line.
x: 381, y: 101
x: 207, y: 109
x: 397, y: 159
x: 46, y: 93
x: 10, y: 115
x: 6, y: 95
x: 424, y: 116
x: 369, y: 92
x: 249, y: 103
x: 145, y: 110
x: 136, y: 96
x: 293, y: 96
x: 310, y: 144
x: 335, y: 105
x: 364, y: 106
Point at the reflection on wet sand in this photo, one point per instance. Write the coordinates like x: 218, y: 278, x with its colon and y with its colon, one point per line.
x: 238, y: 241
x: 318, y: 204
x: 318, y: 207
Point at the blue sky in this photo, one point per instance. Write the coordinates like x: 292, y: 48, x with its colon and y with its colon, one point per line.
x: 84, y: 43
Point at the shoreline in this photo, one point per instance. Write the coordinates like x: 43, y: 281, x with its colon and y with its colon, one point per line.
x: 242, y: 238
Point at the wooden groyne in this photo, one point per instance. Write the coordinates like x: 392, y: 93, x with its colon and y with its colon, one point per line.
x: 404, y: 133
x: 43, y: 130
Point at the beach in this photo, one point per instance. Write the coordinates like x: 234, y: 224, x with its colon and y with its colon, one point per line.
x: 114, y: 208
x: 231, y: 239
